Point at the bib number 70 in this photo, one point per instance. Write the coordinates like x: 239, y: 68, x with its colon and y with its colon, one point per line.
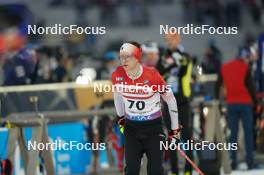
x: 140, y: 105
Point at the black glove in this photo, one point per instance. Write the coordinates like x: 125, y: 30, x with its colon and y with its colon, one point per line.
x: 175, y: 135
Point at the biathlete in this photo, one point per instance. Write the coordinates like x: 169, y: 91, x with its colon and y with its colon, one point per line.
x: 137, y: 92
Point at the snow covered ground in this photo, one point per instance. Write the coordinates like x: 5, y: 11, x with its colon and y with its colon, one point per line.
x: 251, y: 172
x: 242, y: 172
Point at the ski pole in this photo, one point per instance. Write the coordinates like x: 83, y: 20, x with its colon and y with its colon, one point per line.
x: 188, y: 159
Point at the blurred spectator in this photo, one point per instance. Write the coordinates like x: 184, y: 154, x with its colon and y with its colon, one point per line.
x: 54, y: 65
x: 175, y: 66
x: 61, y: 72
x: 240, y: 96
x: 13, y: 40
x: 150, y: 54
x: 46, y: 65
x: 18, y: 69
x: 110, y: 64
x: 251, y: 44
x: 213, y: 59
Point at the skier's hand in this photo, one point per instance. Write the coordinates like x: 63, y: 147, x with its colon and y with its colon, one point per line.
x: 121, y: 124
x: 175, y: 135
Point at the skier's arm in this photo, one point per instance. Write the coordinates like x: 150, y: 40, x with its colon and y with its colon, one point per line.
x: 118, y: 99
x: 119, y: 104
x: 169, y: 98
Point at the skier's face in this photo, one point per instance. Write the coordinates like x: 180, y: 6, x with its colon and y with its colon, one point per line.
x: 128, y: 61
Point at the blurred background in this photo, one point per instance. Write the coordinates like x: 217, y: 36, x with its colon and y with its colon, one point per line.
x: 124, y: 20
x: 54, y: 64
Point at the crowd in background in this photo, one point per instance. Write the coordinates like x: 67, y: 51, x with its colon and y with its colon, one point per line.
x: 59, y: 63
x: 35, y: 64
x: 226, y: 12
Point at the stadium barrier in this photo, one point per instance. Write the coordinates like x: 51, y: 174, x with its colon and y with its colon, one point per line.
x: 39, y: 122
